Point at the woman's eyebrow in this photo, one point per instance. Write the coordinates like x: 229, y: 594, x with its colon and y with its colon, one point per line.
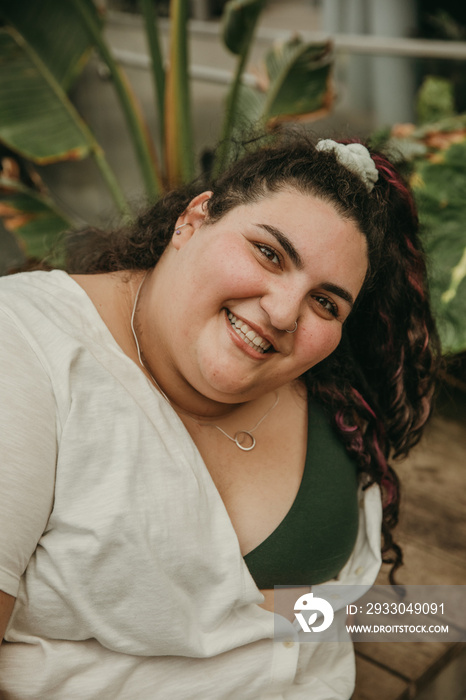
x: 285, y: 243
x: 295, y: 257
x: 339, y: 291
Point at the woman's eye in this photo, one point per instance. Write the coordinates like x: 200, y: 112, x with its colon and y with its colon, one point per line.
x: 328, y: 305
x: 269, y: 253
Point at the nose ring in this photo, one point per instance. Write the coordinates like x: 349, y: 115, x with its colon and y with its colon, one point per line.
x: 294, y: 329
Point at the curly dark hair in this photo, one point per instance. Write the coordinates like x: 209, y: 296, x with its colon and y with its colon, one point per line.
x: 378, y: 384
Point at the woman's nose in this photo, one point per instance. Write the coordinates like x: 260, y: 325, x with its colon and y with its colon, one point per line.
x: 282, y: 306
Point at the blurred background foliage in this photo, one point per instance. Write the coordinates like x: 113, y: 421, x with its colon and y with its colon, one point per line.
x: 432, y: 156
x: 43, y: 48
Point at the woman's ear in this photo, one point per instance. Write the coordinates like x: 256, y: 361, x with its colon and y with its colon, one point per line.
x: 193, y: 217
x: 199, y: 202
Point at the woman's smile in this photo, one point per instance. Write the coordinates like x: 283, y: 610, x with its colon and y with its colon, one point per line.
x: 248, y: 335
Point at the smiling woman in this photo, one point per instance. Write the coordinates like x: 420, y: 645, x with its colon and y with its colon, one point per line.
x: 203, y: 408
x: 238, y: 267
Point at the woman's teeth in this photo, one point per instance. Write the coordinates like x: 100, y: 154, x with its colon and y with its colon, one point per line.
x: 246, y: 333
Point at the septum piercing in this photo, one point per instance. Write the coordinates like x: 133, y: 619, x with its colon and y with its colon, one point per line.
x: 294, y: 329
x: 178, y: 229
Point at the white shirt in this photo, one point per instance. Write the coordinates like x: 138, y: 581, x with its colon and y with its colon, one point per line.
x: 128, y: 574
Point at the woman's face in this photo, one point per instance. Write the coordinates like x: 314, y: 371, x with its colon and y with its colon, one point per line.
x: 224, y: 295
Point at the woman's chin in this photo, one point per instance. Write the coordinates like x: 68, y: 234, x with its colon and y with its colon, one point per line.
x: 227, y: 386
x: 228, y: 391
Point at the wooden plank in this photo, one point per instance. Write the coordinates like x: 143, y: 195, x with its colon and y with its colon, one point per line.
x: 415, y: 662
x: 432, y: 533
x: 450, y: 684
x: 426, y: 565
x: 433, y: 479
x: 432, y: 529
x: 437, y: 467
x: 435, y: 522
x: 408, y: 660
x: 376, y: 683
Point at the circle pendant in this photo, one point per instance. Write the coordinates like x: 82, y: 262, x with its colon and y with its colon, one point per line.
x: 250, y: 440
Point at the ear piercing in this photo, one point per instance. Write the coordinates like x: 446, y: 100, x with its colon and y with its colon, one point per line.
x: 178, y: 229
x: 294, y: 329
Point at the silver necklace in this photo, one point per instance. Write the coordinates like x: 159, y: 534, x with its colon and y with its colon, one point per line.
x: 241, y: 436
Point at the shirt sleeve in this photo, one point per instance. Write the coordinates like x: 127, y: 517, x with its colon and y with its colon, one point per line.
x: 27, y: 452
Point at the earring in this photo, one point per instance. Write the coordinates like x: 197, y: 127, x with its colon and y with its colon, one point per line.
x: 294, y: 329
x: 178, y: 230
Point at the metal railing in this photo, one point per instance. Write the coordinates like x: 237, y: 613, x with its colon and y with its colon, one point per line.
x: 358, y: 44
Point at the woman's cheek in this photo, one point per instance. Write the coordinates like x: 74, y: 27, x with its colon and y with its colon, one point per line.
x: 320, y: 341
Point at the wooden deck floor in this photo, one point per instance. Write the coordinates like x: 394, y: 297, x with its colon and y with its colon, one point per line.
x: 432, y: 532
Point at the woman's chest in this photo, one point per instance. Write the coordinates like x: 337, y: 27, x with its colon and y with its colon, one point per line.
x: 258, y: 487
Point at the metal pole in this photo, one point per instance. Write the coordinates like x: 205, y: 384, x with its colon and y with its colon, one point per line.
x: 394, y: 82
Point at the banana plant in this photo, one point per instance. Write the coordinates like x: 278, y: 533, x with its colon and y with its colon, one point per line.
x: 294, y: 86
x: 43, y: 48
x: 239, y: 23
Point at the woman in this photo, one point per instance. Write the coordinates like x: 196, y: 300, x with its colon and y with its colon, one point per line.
x: 206, y: 411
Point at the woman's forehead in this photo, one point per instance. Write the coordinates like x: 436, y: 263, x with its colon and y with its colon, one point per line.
x: 310, y: 232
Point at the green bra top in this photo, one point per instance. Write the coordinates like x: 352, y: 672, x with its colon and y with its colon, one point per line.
x: 316, y: 537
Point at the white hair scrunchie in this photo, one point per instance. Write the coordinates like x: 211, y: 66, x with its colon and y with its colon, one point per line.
x: 355, y: 157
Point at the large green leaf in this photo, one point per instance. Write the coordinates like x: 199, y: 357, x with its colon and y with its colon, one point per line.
x: 440, y: 187
x: 299, y: 75
x: 238, y: 23
x: 54, y: 30
x: 36, y: 118
x: 31, y: 216
x: 297, y: 86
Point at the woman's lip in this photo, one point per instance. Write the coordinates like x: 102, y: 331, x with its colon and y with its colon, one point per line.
x: 255, y: 328
x: 251, y: 352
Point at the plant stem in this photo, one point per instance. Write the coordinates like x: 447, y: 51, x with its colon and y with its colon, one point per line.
x: 230, y: 114
x: 136, y: 130
x: 158, y: 71
x: 178, y: 130
x: 231, y: 107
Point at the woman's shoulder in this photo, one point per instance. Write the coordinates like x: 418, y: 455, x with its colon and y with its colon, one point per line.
x: 26, y: 294
x: 39, y: 302
x: 27, y: 286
